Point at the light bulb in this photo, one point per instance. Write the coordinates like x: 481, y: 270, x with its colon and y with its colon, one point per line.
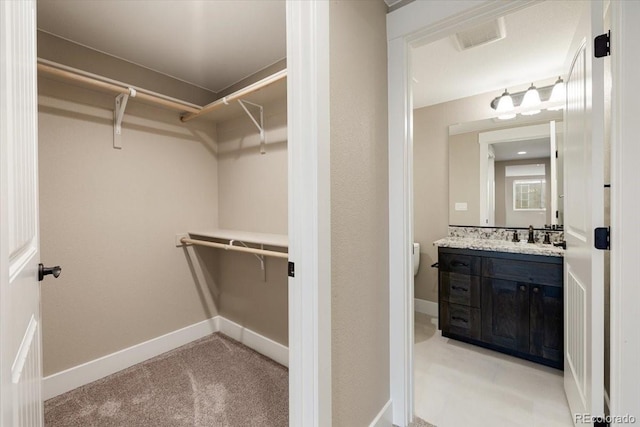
x: 557, y: 95
x: 531, y: 102
x: 505, y: 107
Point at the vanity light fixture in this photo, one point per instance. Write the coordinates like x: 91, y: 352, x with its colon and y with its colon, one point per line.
x: 531, y: 101
x: 505, y: 107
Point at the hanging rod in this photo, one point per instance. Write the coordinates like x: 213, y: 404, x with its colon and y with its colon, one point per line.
x: 236, y: 95
x: 231, y: 247
x: 70, y: 73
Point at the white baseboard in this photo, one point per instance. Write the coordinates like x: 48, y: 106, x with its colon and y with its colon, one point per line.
x: 83, y: 374
x: 426, y: 307
x: 384, y: 417
x: 259, y: 343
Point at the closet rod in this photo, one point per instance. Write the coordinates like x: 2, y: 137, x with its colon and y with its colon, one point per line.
x: 265, y: 252
x: 70, y: 73
x: 237, y: 95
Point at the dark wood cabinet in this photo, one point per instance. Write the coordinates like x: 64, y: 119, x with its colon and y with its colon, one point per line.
x: 507, y: 302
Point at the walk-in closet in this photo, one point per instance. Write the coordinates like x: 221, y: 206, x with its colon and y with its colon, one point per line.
x: 163, y: 180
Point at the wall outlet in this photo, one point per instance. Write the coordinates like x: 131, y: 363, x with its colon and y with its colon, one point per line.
x: 180, y: 236
x: 461, y: 206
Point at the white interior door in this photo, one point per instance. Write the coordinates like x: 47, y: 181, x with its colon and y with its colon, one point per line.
x: 584, y: 210
x: 20, y: 331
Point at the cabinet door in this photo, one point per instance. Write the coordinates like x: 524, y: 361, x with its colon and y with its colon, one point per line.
x: 505, y: 314
x: 546, y: 328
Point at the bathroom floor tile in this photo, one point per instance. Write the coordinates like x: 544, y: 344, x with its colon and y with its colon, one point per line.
x: 458, y: 384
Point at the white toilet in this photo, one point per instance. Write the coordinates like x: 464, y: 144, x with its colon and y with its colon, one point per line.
x: 416, y: 258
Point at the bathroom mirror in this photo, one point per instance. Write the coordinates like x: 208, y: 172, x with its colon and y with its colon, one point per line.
x: 506, y: 175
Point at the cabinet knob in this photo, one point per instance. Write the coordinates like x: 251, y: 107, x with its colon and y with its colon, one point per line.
x: 536, y: 290
x: 523, y: 288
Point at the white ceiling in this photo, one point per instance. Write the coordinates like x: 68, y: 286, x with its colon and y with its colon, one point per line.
x: 534, y: 49
x: 533, y: 148
x: 212, y: 44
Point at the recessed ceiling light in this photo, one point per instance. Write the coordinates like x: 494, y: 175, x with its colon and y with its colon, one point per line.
x: 522, y: 152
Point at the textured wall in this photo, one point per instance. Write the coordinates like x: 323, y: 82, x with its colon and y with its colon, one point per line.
x: 464, y: 178
x: 359, y: 212
x: 431, y: 178
x: 253, y: 197
x: 109, y: 218
x: 68, y: 53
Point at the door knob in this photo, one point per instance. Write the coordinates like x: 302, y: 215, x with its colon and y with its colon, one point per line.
x: 43, y: 271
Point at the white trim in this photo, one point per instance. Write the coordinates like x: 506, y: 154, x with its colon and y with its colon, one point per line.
x: 383, y: 419
x: 416, y: 23
x: 251, y: 339
x: 426, y: 307
x: 83, y: 374
x: 309, y: 213
x: 625, y: 229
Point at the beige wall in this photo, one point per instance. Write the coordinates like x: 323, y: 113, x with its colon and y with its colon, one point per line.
x: 431, y: 178
x: 464, y: 178
x: 253, y: 197
x: 359, y: 212
x: 65, y: 52
x: 109, y: 218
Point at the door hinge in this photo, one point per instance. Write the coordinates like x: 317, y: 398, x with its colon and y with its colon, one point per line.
x: 292, y: 269
x: 602, y: 45
x: 601, y: 238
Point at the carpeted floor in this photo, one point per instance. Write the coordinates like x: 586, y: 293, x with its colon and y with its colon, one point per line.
x: 214, y: 381
x: 419, y: 422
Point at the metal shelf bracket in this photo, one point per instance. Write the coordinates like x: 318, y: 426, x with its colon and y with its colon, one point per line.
x: 118, y: 114
x: 260, y: 125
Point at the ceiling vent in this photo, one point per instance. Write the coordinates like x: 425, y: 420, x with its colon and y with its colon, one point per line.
x: 481, y: 35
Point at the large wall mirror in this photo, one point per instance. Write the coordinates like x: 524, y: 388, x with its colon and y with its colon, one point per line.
x: 506, y: 176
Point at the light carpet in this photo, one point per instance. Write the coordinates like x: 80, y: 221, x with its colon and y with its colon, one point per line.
x: 214, y: 381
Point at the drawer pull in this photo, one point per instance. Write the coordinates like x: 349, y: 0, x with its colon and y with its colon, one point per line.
x: 459, y: 288
x: 523, y: 288
x: 536, y: 290
x: 459, y: 264
x: 459, y: 318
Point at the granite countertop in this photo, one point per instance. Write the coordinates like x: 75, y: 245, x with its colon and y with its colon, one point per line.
x: 500, y: 246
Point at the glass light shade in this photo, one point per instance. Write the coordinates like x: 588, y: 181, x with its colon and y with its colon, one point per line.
x: 505, y: 107
x: 557, y: 96
x: 531, y: 102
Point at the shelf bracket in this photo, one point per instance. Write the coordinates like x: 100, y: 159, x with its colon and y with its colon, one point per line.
x: 118, y: 114
x: 260, y: 125
x: 259, y: 257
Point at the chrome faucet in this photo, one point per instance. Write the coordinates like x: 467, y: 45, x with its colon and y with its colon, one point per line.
x: 531, y: 239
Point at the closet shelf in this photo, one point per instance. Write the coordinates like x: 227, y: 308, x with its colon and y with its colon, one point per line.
x: 279, y: 240
x: 188, y: 110
x: 242, y: 238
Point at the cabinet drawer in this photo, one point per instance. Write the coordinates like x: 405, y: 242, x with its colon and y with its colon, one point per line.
x: 460, y: 289
x: 456, y: 263
x: 460, y: 320
x: 523, y: 271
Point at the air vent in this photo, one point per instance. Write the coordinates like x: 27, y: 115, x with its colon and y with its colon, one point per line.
x: 481, y: 35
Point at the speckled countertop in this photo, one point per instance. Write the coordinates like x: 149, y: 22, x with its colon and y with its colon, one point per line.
x: 499, y: 246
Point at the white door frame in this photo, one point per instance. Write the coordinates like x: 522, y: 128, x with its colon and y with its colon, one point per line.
x: 309, y: 213
x: 412, y: 25
x: 625, y: 204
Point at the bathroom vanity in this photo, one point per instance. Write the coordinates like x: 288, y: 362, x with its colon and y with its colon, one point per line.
x: 504, y: 296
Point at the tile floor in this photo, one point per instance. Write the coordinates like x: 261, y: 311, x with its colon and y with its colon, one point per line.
x: 461, y: 385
